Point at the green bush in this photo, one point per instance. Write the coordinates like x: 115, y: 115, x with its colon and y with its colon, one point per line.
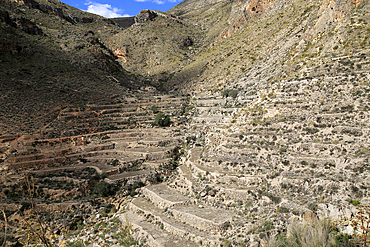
x: 162, y: 120
x: 354, y: 202
x: 229, y: 93
x: 343, y: 240
x: 104, y: 189
x: 155, y: 109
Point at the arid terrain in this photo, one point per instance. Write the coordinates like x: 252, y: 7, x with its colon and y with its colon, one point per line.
x: 217, y: 123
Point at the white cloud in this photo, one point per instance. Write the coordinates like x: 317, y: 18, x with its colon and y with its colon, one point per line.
x: 158, y: 1
x: 105, y: 10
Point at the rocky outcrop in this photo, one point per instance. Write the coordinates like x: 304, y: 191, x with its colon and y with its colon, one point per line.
x: 84, y: 19
x: 27, y: 26
x: 58, y: 11
x: 186, y: 41
x: 241, y: 12
x: 46, y: 9
x: 145, y: 15
x: 121, y: 54
x: 20, y: 22
x: 331, y: 12
x: 4, y: 17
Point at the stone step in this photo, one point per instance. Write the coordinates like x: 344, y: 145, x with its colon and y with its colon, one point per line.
x: 42, y: 163
x: 108, y: 118
x: 122, y: 160
x: 150, y: 141
x: 162, y: 196
x: 134, y: 106
x: 134, y: 175
x: 97, y: 168
x: 146, y: 153
x: 77, y: 132
x: 38, y: 156
x: 62, y: 140
x: 217, y: 173
x: 212, y: 119
x: 8, y: 138
x: 186, y: 184
x: 142, y: 132
x: 204, y: 218
x: 155, y: 164
x: 152, y: 235
x: 149, y: 212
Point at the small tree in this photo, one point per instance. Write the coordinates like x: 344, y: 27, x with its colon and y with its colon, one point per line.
x: 162, y: 120
x: 155, y: 109
x: 230, y: 93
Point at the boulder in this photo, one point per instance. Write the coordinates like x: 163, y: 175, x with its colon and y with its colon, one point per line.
x: 145, y: 15
x: 186, y: 41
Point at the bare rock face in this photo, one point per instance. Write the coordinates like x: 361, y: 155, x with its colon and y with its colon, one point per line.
x: 57, y: 11
x: 20, y: 22
x: 331, y: 12
x: 27, y: 26
x: 86, y: 20
x: 242, y: 11
x: 189, y: 5
x: 145, y: 15
x: 121, y: 54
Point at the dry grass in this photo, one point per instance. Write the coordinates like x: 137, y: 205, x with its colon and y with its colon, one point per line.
x: 301, y: 234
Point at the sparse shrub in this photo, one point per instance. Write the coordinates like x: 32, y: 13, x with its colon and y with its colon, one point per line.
x: 227, y: 226
x: 230, y: 93
x: 344, y: 240
x: 275, y: 199
x: 283, y: 150
x: 282, y: 210
x: 354, y: 202
x: 300, y: 234
x: 313, y: 165
x: 226, y: 243
x: 285, y: 162
x: 162, y: 120
x: 248, y: 204
x: 304, y: 163
x: 268, y: 225
x: 114, y: 162
x: 104, y: 189
x: 155, y: 109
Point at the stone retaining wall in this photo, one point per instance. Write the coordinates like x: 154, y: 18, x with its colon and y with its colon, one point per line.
x: 198, y: 222
x: 171, y: 228
x: 237, y: 195
x: 161, y: 202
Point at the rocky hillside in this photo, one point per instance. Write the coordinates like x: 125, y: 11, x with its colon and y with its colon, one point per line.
x: 52, y: 56
x: 237, y: 40
x: 278, y: 124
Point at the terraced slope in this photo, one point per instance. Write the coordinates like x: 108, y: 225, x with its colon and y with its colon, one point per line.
x: 276, y: 128
x: 280, y: 152
x: 93, y: 152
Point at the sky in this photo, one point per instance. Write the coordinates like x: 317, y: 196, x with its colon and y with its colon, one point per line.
x: 121, y: 8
